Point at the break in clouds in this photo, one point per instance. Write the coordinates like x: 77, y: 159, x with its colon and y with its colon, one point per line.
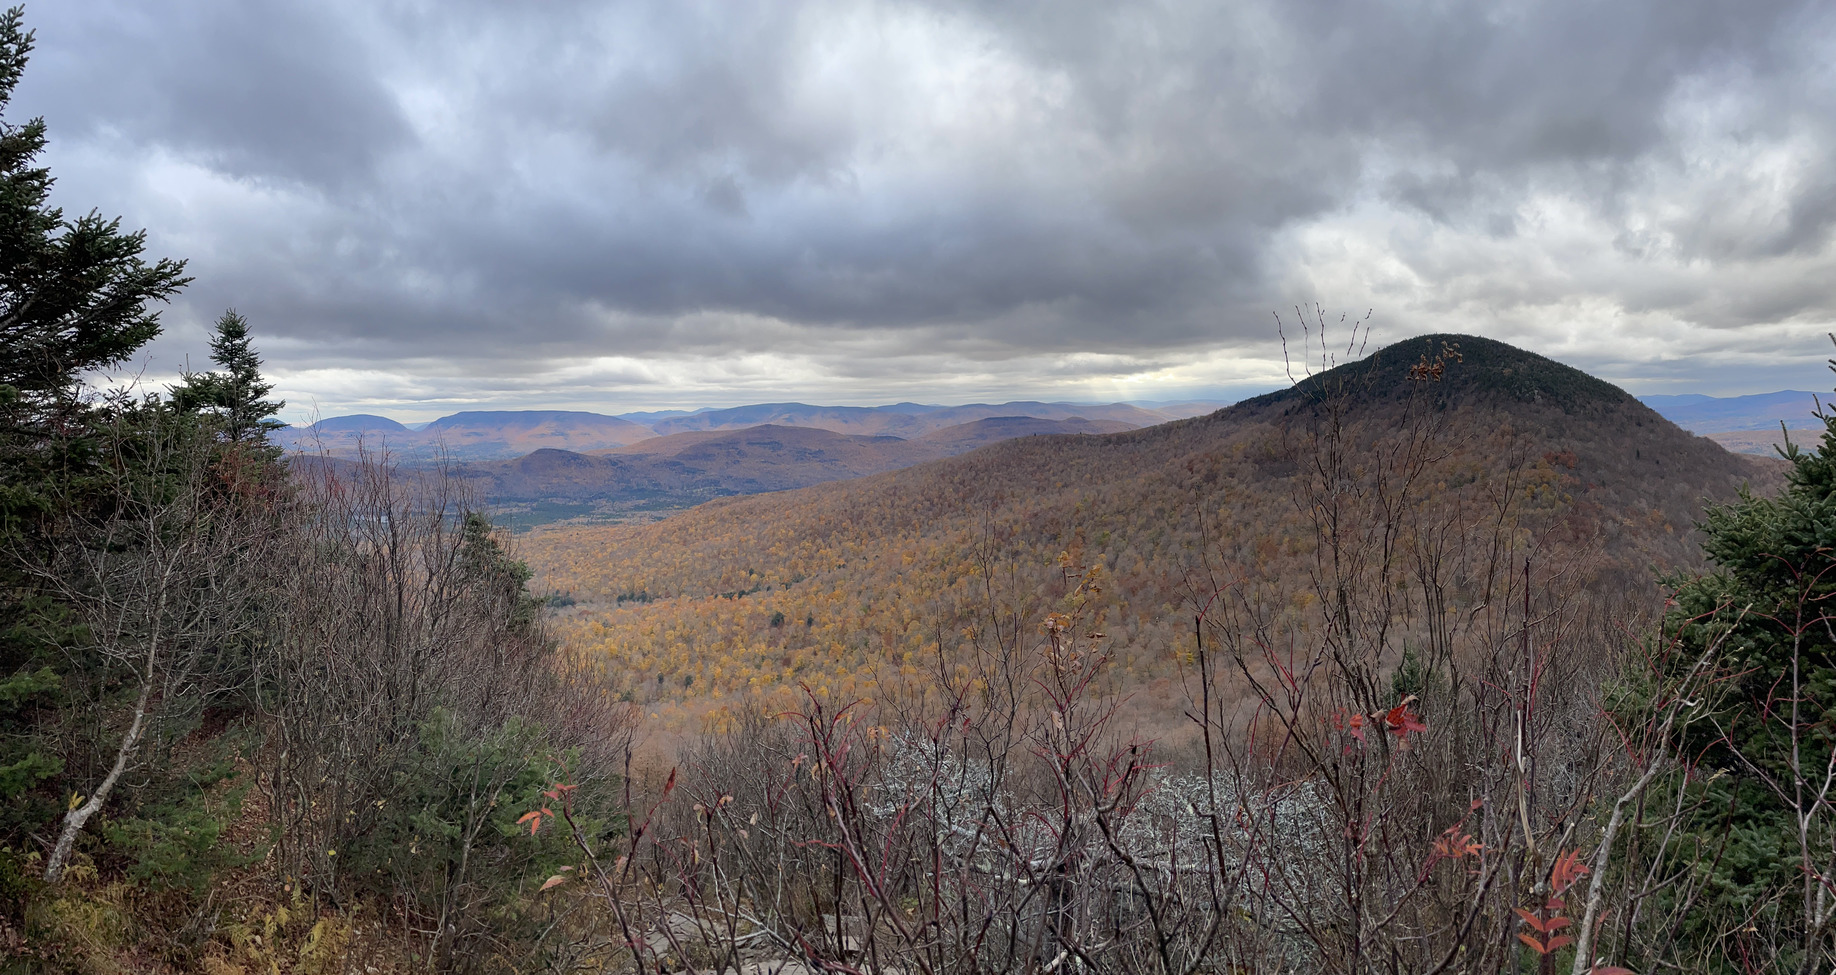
x: 426, y: 206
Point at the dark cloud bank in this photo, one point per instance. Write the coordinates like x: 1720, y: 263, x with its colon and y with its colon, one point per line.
x: 428, y: 205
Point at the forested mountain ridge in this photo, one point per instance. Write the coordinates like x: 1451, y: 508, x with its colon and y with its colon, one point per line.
x: 686, y: 468
x: 695, y: 465
x: 468, y: 435
x: 980, y: 433
x: 1627, y: 453
x: 1759, y: 423
x: 506, y: 434
x: 863, y: 575
x: 1729, y: 414
x: 904, y: 420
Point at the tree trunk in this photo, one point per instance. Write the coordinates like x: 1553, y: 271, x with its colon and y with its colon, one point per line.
x: 75, y: 818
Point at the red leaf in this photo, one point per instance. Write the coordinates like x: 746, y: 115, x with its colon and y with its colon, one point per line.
x: 1400, y: 721
x: 554, y: 881
x: 1455, y: 844
x: 1559, y: 941
x: 1612, y: 970
x: 1531, y: 919
x: 1568, y: 869
x: 1535, y: 945
x: 534, y: 819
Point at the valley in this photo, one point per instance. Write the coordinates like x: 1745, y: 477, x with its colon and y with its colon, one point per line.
x: 535, y: 467
x: 1767, y: 443
x: 852, y: 586
x: 1754, y: 424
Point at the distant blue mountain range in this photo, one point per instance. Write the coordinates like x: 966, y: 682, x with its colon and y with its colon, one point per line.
x: 1699, y: 414
x: 501, y: 434
x: 1703, y: 415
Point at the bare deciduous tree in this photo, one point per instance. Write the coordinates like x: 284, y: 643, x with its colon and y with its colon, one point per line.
x: 163, y: 565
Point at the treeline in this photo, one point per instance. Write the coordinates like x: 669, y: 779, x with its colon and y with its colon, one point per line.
x: 248, y: 721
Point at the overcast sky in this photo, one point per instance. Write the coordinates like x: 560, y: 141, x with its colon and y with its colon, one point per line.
x: 430, y: 206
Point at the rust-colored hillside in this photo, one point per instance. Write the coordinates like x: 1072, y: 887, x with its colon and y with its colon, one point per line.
x: 845, y: 586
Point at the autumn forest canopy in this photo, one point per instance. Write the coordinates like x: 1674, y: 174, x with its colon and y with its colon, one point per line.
x: 1447, y: 658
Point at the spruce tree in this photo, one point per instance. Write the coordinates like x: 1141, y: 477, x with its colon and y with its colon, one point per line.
x: 1763, y: 842
x: 75, y: 296
x: 236, y: 394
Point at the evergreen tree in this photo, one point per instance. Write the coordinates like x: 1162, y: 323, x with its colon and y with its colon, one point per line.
x: 75, y: 296
x: 498, y: 577
x: 236, y: 394
x: 1764, y: 840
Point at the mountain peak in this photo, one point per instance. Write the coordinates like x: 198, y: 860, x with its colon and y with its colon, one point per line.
x: 357, y: 422
x: 1461, y: 368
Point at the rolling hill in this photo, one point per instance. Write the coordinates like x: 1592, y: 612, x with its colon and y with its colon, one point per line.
x: 521, y: 431
x: 694, y: 466
x: 844, y: 586
x: 904, y: 420
x: 686, y: 468
x: 469, y: 435
x: 964, y: 437
x: 358, y: 423
x: 506, y: 434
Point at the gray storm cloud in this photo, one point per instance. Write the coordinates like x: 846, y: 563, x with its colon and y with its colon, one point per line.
x: 642, y: 203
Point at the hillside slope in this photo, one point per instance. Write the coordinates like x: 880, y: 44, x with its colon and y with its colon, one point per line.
x: 685, y: 468
x: 694, y: 466
x: 520, y: 431
x: 904, y: 420
x: 846, y: 585
x: 476, y: 435
x: 964, y: 437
